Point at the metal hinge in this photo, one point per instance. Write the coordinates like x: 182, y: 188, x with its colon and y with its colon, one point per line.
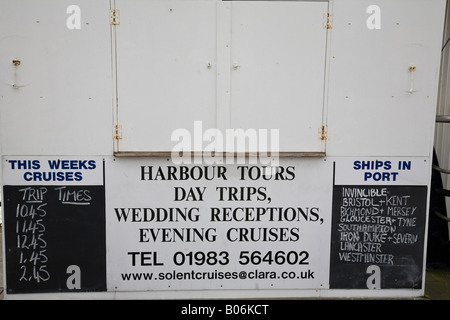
x: 117, y: 132
x: 327, y: 21
x: 114, y: 17
x: 323, y: 132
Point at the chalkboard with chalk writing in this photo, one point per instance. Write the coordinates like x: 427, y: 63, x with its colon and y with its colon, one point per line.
x: 54, y: 238
x: 377, y: 237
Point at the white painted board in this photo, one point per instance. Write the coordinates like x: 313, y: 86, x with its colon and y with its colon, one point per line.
x: 279, y: 49
x: 244, y: 65
x: 164, y: 83
x: 376, y: 106
x: 58, y: 100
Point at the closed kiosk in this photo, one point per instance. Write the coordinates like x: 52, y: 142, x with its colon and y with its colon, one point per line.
x: 221, y: 149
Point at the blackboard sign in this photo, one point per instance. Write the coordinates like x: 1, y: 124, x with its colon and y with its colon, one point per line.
x: 377, y: 238
x: 54, y: 238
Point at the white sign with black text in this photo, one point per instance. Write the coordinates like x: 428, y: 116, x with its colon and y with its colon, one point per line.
x: 198, y: 227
